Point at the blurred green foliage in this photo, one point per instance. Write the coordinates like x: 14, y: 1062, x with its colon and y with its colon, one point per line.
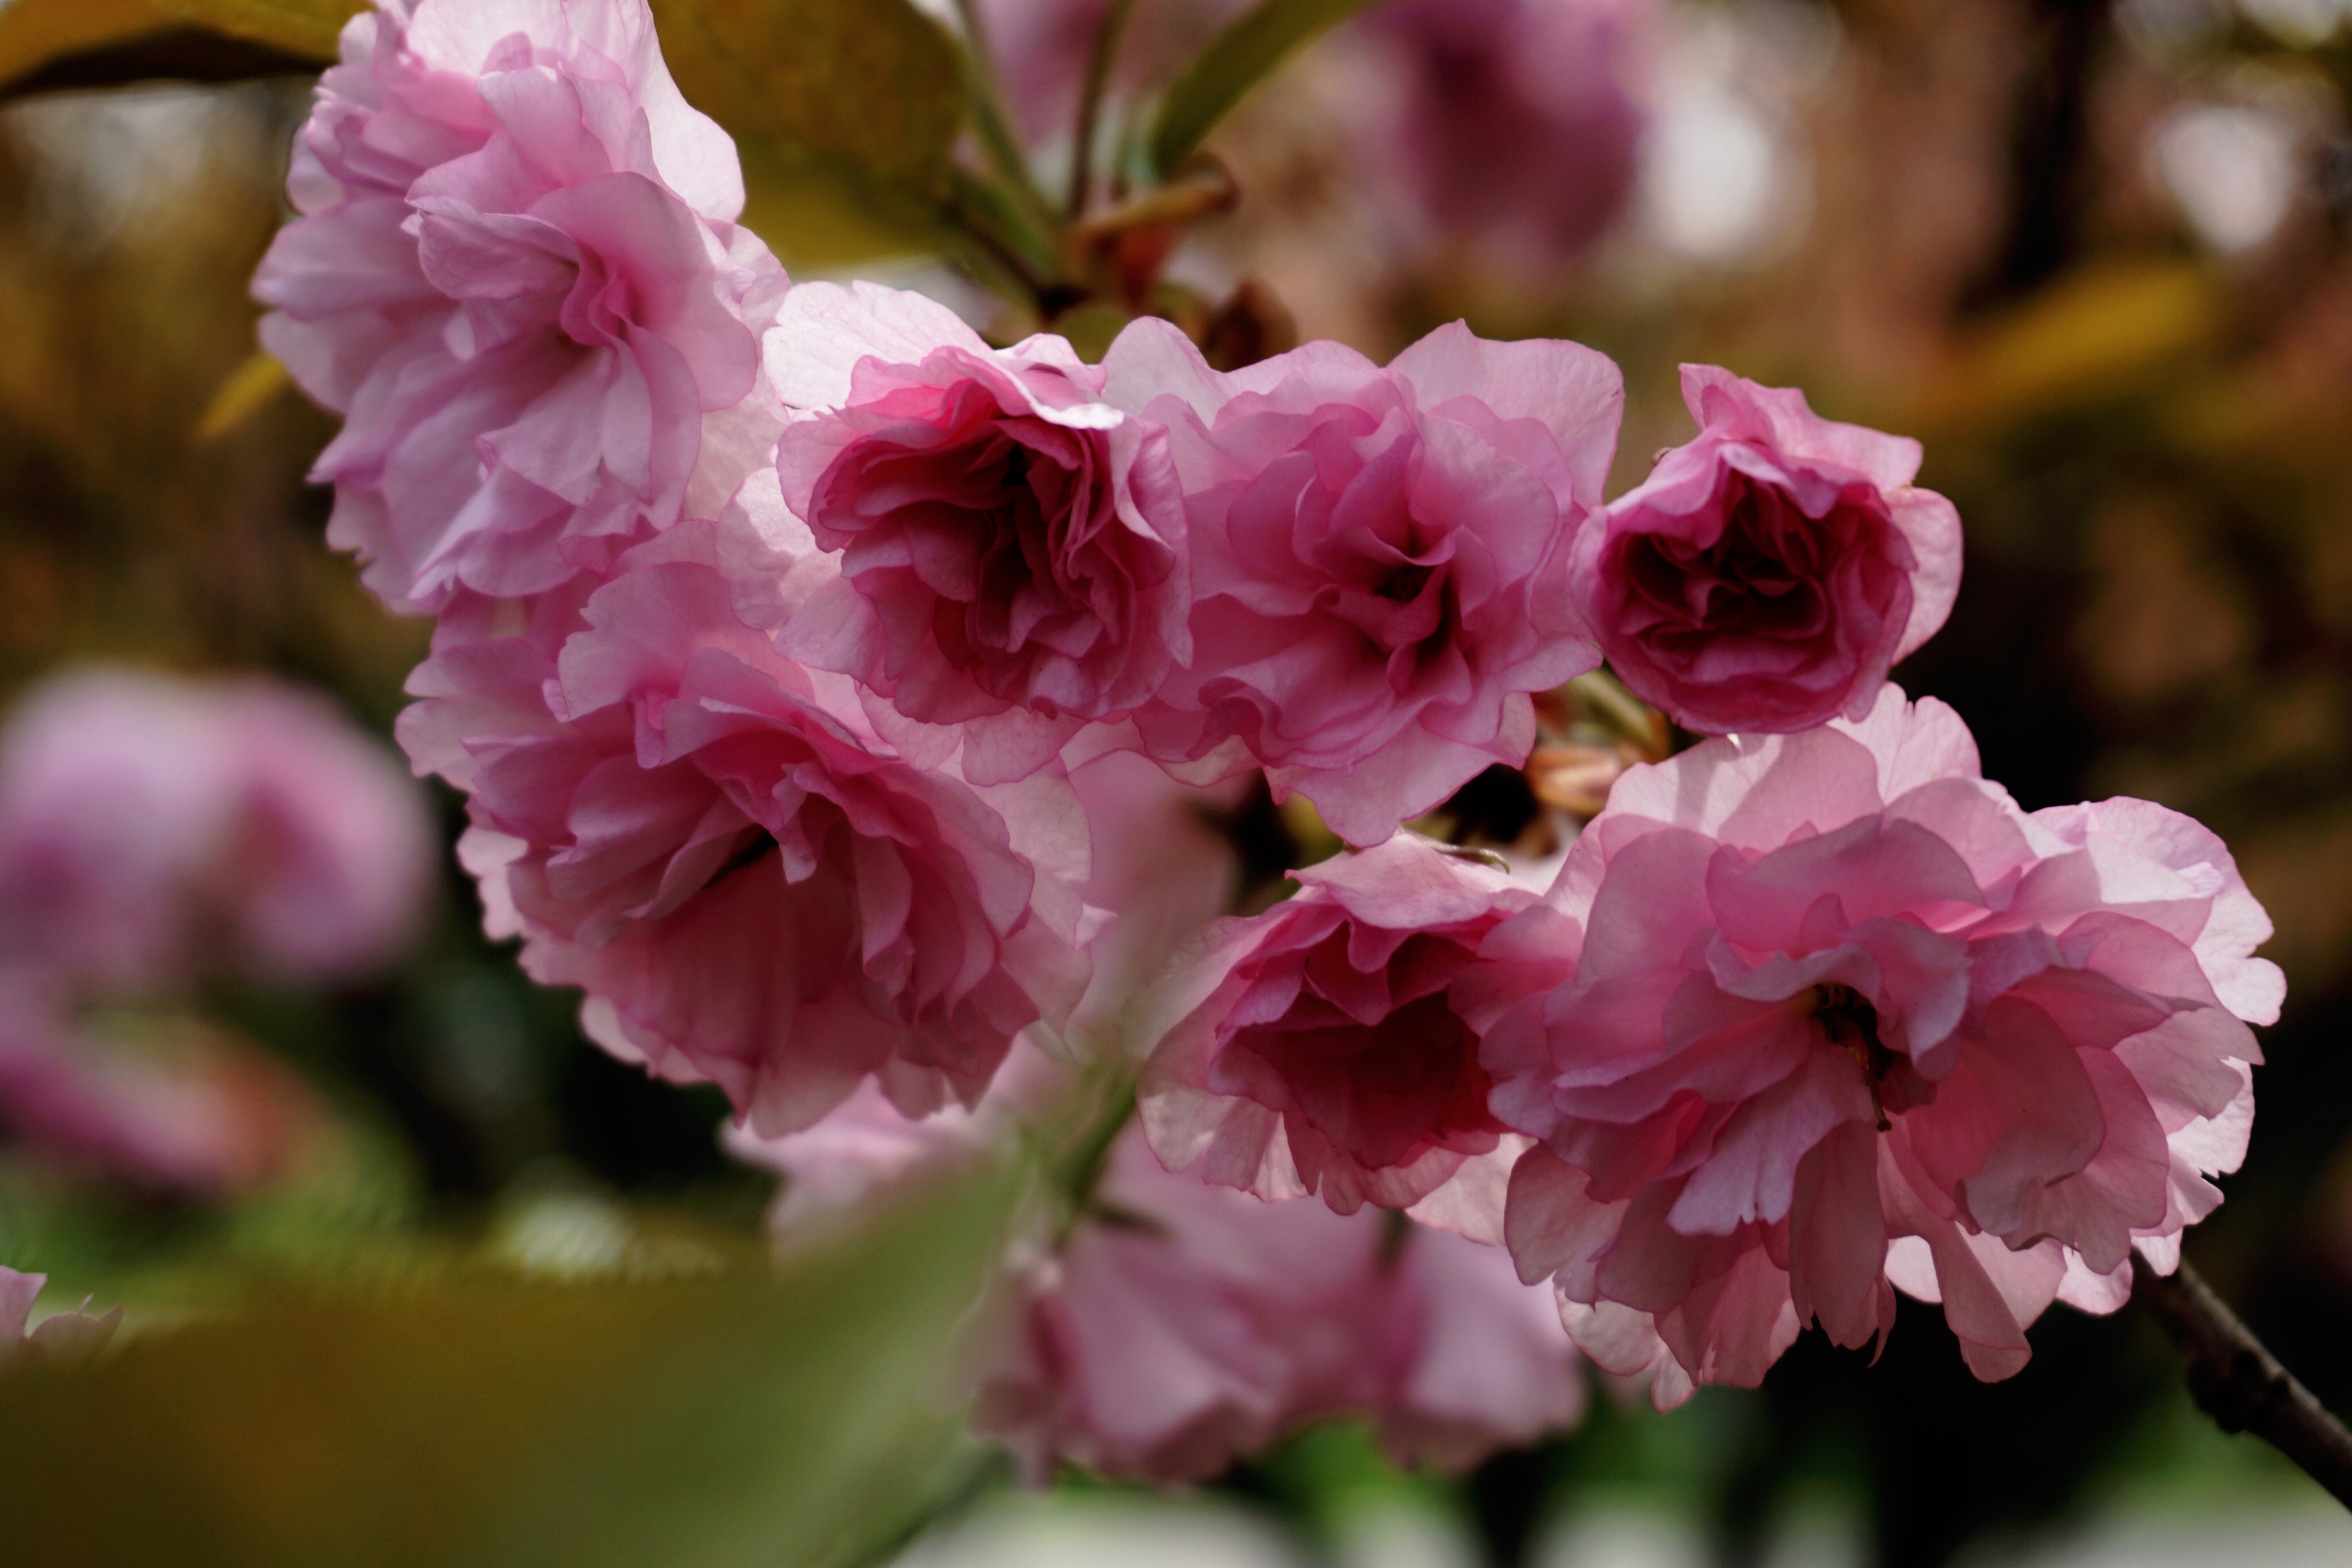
x: 753, y: 1416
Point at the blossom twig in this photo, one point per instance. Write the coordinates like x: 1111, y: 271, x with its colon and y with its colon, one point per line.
x: 2236, y: 1380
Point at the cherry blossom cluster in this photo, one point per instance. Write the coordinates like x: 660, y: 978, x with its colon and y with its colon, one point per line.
x: 836, y: 694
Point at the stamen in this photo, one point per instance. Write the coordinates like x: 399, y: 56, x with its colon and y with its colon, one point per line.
x: 1852, y: 1024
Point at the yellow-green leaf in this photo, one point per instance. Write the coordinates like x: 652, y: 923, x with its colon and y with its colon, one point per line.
x: 2097, y: 332
x: 871, y: 84
x: 248, y: 390
x: 845, y: 110
x: 819, y: 213
x: 754, y: 1418
x: 33, y: 33
x: 308, y: 27
x: 97, y: 43
x: 1236, y: 60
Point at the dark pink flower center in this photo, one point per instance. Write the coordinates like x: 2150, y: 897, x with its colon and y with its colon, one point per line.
x: 997, y: 534
x: 1772, y: 575
x: 1382, y: 1092
x: 1851, y: 1025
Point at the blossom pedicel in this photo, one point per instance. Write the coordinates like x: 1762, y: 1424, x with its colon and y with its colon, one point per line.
x: 1842, y: 1018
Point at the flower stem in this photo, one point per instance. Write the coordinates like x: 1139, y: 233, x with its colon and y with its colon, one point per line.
x: 988, y: 124
x: 1103, y: 1108
x: 2235, y: 1379
x: 978, y: 212
x: 1099, y: 64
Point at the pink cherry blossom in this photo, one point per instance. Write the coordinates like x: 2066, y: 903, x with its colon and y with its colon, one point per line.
x: 752, y: 887
x: 1844, y: 1016
x: 155, y: 831
x: 515, y: 271
x: 1767, y: 574
x: 61, y: 1339
x: 1380, y: 558
x: 1512, y: 124
x: 1330, y: 1045
x: 1012, y: 551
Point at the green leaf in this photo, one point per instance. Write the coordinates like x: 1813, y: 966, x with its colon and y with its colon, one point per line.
x: 784, y: 1417
x: 1235, y: 61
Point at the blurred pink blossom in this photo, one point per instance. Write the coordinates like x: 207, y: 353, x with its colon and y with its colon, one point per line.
x: 1040, y: 50
x: 155, y: 831
x: 516, y: 273
x: 177, y: 1108
x: 61, y: 1339
x: 1380, y: 558
x: 1012, y: 551
x: 1176, y: 1325
x: 1330, y: 1045
x: 1185, y: 1325
x: 860, y: 1149
x: 754, y: 886
x: 1845, y: 1017
x: 1510, y: 125
x: 1767, y: 574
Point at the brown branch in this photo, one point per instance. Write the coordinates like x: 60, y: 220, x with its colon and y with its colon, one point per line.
x: 2236, y: 1380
